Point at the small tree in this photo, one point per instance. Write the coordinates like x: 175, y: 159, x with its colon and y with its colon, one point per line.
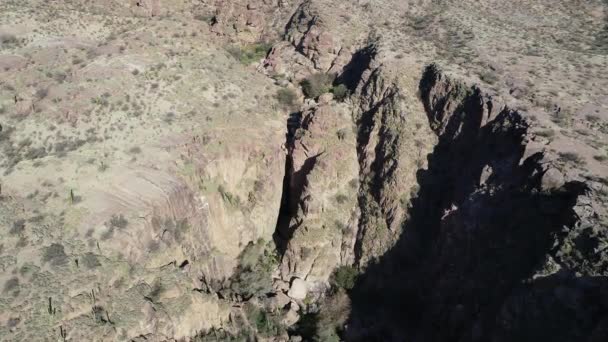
x: 316, y: 85
x: 340, y: 92
x: 344, y: 277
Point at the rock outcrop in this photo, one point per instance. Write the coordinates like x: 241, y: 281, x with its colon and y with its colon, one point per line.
x: 150, y: 190
x: 322, y: 187
x: 484, y: 238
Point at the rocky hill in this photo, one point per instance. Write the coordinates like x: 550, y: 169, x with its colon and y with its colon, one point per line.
x: 303, y: 170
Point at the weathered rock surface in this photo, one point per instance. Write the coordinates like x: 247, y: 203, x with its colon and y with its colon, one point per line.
x: 479, y: 258
x: 145, y: 171
x: 322, y: 191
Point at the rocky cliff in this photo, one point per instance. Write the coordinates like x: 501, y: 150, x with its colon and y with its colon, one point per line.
x: 306, y: 170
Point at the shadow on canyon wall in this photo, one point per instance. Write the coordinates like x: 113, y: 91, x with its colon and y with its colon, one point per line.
x: 479, y: 229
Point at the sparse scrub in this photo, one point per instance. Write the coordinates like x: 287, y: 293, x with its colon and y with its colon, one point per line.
x: 229, y: 197
x: 55, y: 255
x: 344, y: 277
x: 420, y: 23
x: 90, y: 261
x: 42, y: 93
x: 135, y: 150
x: 326, y: 324
x: 341, y: 198
x: 253, y: 276
x: 215, y: 335
x: 265, y: 323
x: 118, y: 221
x: 287, y: 97
x: 18, y: 227
x: 340, y: 92
x: 571, y: 157
x: 561, y: 118
x: 316, y: 85
x: 250, y: 53
x: 12, y: 285
x: 8, y: 40
x: 600, y: 158
x: 488, y: 76
x: 546, y: 133
x: 208, y: 18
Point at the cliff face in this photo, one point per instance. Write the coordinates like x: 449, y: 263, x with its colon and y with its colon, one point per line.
x: 165, y: 185
x: 485, y: 237
x: 322, y: 189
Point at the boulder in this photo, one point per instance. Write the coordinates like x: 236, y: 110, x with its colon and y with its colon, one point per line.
x: 298, y: 290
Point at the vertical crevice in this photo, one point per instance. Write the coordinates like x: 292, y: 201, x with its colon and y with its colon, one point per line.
x: 281, y: 234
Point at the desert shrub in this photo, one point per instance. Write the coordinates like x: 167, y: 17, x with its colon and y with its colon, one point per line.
x: 11, y: 285
x: 571, y: 157
x: 325, y: 324
x: 340, y: 92
x: 55, y: 255
x: 13, y: 322
x: 265, y: 323
x: 593, y: 118
x: 100, y: 315
x: 156, y: 291
x: 118, y: 221
x: 249, y: 53
x: 341, y: 198
x: 560, y: 117
x: 90, y: 261
x: 36, y: 153
x: 546, y: 133
x: 253, y: 276
x: 229, y: 197
x: 287, y: 97
x: 600, y: 158
x: 18, y: 227
x: 220, y: 335
x: 41, y: 93
x: 8, y: 40
x: 208, y: 18
x: 316, y: 85
x: 344, y: 277
x: 135, y: 150
x: 420, y: 23
x: 488, y: 76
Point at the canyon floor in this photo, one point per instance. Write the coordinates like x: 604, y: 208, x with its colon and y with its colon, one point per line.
x: 303, y: 170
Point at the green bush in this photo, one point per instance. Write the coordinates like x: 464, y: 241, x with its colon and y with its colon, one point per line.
x: 340, y: 92
x: 250, y: 53
x: 316, y: 85
x: 488, y: 77
x: 8, y: 40
x: 55, y: 254
x: 266, y: 324
x: 344, y: 277
x: 118, y: 221
x: 287, y: 97
x: 90, y: 261
x: 571, y: 157
x: 326, y: 324
x: 253, y: 276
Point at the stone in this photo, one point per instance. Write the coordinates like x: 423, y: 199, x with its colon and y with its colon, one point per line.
x: 291, y: 318
x: 552, y: 179
x: 298, y: 290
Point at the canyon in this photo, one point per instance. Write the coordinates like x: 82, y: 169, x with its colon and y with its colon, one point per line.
x: 216, y: 170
